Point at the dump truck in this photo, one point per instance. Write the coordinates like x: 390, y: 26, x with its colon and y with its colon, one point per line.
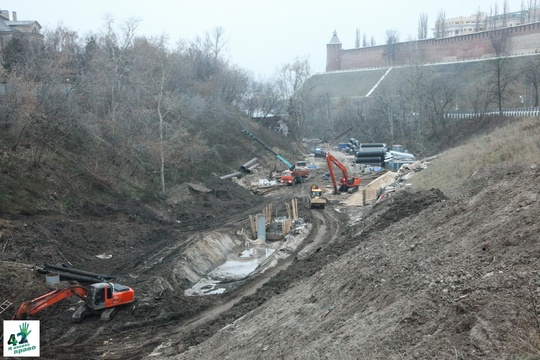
x: 297, y: 176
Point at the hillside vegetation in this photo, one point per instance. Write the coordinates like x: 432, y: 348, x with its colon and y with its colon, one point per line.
x: 114, y: 115
x: 410, y: 104
x: 86, y: 121
x: 518, y: 142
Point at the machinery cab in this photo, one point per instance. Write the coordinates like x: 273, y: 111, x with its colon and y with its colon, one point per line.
x: 105, y: 295
x: 315, y: 192
x: 287, y: 177
x: 316, y: 199
x: 345, y: 184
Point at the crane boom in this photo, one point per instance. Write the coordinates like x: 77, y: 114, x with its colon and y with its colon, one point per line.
x: 281, y: 158
x: 340, y: 135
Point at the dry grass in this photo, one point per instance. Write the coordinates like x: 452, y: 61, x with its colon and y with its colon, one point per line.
x: 517, y: 143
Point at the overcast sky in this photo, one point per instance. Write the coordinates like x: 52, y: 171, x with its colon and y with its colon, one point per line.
x: 262, y: 35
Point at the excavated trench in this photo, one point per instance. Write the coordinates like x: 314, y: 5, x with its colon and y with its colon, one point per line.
x: 219, y: 262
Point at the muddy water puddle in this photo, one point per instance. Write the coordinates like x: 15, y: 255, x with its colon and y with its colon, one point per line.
x: 239, y: 265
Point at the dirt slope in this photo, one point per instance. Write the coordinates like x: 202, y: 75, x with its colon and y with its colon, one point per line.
x: 139, y: 242
x: 424, y: 277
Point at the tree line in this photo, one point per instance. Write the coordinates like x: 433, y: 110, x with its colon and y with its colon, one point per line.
x: 124, y: 104
x: 129, y: 106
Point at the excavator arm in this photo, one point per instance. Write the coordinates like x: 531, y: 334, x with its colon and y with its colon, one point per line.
x: 349, y: 184
x: 329, y: 160
x: 40, y: 303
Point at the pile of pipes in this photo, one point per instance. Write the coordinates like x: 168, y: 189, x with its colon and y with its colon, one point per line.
x: 373, y: 154
x: 377, y: 154
x: 352, y: 146
x: 247, y: 168
x: 69, y: 273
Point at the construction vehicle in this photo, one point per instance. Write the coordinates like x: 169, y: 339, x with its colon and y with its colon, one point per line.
x: 100, y: 298
x: 346, y: 183
x: 290, y: 176
x: 316, y: 200
x: 319, y: 152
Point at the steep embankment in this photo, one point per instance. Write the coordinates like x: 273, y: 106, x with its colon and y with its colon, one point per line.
x: 428, y: 277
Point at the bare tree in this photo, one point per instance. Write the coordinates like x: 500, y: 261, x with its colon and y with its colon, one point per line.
x: 531, y: 76
x: 216, y: 42
x: 492, y: 19
x: 113, y: 63
x: 388, y: 108
x: 302, y: 101
x: 533, y: 11
x: 478, y: 18
x: 372, y: 41
x: 167, y: 135
x: 390, y: 50
x: 262, y: 99
x: 506, y: 11
x: 501, y: 75
x: 19, y: 106
x: 442, y: 94
x: 440, y: 24
x: 423, y: 26
x: 364, y: 41
x: 351, y: 114
x: 357, y: 39
x: 495, y: 18
x: 415, y: 87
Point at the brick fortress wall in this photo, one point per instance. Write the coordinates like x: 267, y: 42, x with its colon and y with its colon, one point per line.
x: 520, y: 40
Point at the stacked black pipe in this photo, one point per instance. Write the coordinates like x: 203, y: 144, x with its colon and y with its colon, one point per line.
x: 371, y: 154
x: 68, y: 273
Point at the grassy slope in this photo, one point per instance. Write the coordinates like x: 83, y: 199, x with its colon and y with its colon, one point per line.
x: 518, y: 142
x: 358, y: 83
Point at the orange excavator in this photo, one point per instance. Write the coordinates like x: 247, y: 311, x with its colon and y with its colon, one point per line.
x: 346, y: 183
x: 100, y: 298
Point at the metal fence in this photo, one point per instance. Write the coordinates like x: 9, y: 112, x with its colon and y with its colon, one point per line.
x: 516, y: 112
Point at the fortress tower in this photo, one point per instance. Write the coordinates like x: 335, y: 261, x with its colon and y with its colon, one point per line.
x: 333, y: 54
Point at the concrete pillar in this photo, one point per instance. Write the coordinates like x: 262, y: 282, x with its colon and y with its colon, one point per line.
x: 261, y: 227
